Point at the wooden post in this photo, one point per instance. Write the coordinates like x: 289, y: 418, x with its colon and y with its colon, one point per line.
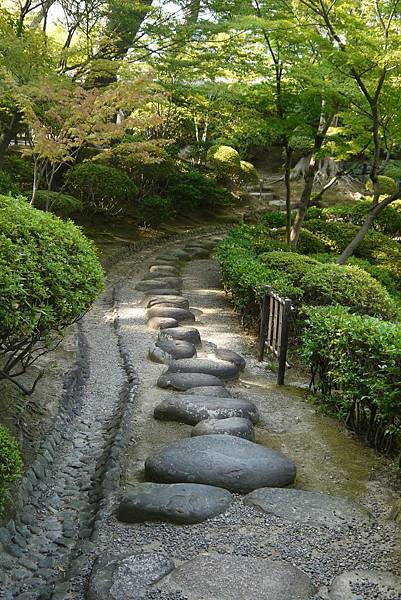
x: 263, y: 322
x: 282, y: 359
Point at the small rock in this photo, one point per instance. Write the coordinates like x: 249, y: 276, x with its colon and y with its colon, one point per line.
x: 179, y: 314
x: 194, y: 409
x: 236, y: 426
x: 183, y: 381
x: 177, y: 301
x: 187, y: 334
x: 354, y: 585
x: 162, y: 323
x: 218, y: 368
x: 231, y: 356
x: 166, y: 350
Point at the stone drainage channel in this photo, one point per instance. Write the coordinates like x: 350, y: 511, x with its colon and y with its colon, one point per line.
x: 217, y: 522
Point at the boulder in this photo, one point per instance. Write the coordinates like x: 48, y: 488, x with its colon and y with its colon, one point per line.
x: 126, y: 576
x: 229, y: 577
x: 166, y: 350
x: 184, y: 381
x: 162, y: 323
x: 193, y: 409
x: 309, y: 508
x: 177, y: 502
x: 218, y: 368
x: 179, y: 314
x: 353, y: 585
x: 231, y: 356
x: 236, y: 426
x: 221, y: 460
x: 188, y: 334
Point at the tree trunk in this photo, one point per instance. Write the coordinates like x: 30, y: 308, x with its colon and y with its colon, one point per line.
x: 9, y: 133
x: 287, y: 179
x: 304, y: 202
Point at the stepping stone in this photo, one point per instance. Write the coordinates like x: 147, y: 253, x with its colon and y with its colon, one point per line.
x: 126, y: 576
x: 184, y: 381
x: 177, y: 281
x: 216, y: 392
x: 220, y: 368
x: 188, y: 334
x: 179, y: 314
x: 155, y: 284
x: 162, y: 323
x: 309, y: 508
x: 354, y: 585
x: 221, y: 460
x: 167, y: 269
x: 236, y: 426
x: 198, y: 252
x: 193, y: 409
x: 178, y: 502
x: 228, y: 577
x: 174, y: 254
x: 166, y: 350
x: 167, y: 261
x: 231, y: 356
x: 178, y: 301
x: 166, y: 291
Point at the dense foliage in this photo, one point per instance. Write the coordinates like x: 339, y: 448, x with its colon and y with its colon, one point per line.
x: 49, y: 276
x: 10, y: 462
x: 59, y: 203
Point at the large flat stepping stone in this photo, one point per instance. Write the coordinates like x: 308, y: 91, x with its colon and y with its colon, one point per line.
x: 193, y: 409
x: 216, y: 391
x: 310, y: 508
x: 221, y: 460
x: 179, y: 314
x: 236, y: 426
x: 184, y: 381
x: 218, y: 368
x: 166, y: 269
x: 162, y: 291
x: 188, y: 334
x: 177, y: 253
x: 231, y: 356
x: 156, y: 284
x: 162, y: 323
x: 177, y: 301
x: 126, y: 576
x: 173, y: 279
x: 229, y: 577
x: 165, y: 351
x: 355, y: 585
x: 181, y: 503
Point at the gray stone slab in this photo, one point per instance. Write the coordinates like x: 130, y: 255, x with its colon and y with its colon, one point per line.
x: 162, y: 291
x: 162, y: 323
x: 231, y: 356
x: 310, y: 508
x: 188, y: 334
x: 236, y: 426
x: 165, y: 351
x: 218, y: 368
x: 178, y: 301
x: 173, y: 279
x: 216, y: 391
x: 184, y: 381
x: 127, y: 576
x: 166, y: 269
x: 228, y: 577
x: 221, y: 460
x: 182, y: 503
x: 179, y: 314
x: 354, y: 585
x: 152, y: 285
x: 193, y: 409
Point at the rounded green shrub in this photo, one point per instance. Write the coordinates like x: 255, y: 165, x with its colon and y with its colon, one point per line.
x: 387, y: 185
x: 193, y: 190
x: 248, y: 172
x: 154, y: 210
x: 10, y: 461
x: 57, y: 202
x: 100, y: 188
x: 7, y: 185
x: 273, y: 218
x: 393, y: 169
x: 49, y: 276
x: 313, y: 212
x: 388, y: 220
x: 224, y: 159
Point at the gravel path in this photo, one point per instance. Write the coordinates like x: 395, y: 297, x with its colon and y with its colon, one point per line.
x: 71, y: 518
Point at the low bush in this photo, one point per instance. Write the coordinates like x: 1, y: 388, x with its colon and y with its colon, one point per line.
x: 356, y: 365
x: 10, y: 461
x: 7, y: 185
x: 387, y: 185
x: 313, y: 212
x: 248, y: 172
x: 101, y: 189
x: 192, y: 190
x: 273, y: 219
x: 59, y: 203
x: 388, y: 221
x: 20, y: 170
x: 225, y: 160
x: 154, y: 210
x: 49, y: 277
x: 393, y: 169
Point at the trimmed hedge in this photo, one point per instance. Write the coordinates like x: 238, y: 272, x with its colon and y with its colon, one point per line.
x: 49, y: 275
x: 356, y: 365
x: 388, y: 221
x: 10, y: 461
